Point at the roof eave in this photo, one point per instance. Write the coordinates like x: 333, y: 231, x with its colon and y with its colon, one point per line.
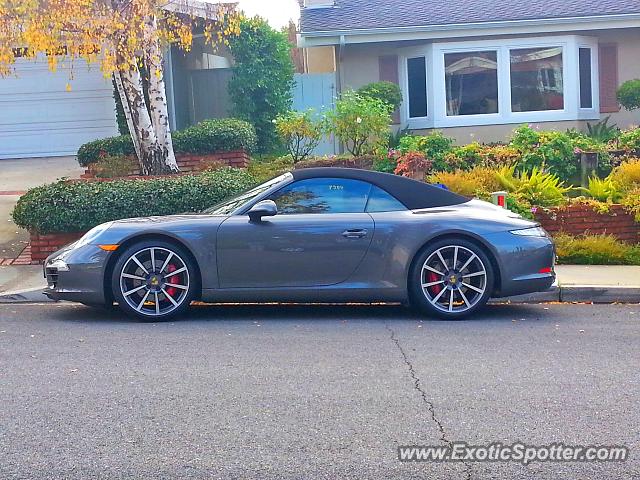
x: 462, y: 30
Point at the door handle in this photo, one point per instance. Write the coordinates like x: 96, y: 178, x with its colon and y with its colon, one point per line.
x: 355, y: 233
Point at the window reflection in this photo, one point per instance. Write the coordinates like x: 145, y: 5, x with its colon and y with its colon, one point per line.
x: 471, y: 83
x: 537, y: 79
x: 323, y: 195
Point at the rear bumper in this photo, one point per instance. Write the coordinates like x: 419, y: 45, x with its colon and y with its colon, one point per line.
x: 83, y: 281
x: 521, y: 259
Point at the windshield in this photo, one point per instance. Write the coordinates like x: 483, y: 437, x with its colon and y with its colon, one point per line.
x: 228, y: 206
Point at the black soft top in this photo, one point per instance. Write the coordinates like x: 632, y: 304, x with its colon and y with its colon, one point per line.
x: 412, y: 194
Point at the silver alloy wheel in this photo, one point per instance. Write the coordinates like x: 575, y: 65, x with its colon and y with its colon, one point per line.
x: 453, y: 279
x: 154, y: 281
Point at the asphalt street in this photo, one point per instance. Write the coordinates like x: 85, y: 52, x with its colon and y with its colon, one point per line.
x: 304, y: 392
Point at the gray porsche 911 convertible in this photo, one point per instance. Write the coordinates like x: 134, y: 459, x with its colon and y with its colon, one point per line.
x: 315, y: 235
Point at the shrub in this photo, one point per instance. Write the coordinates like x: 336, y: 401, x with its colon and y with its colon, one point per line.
x: 364, y: 162
x: 262, y: 83
x: 632, y: 202
x: 107, y: 147
x: 210, y: 136
x: 595, y: 250
x: 474, y: 154
x: 301, y: 133
x: 627, y: 175
x: 479, y: 182
x: 387, y: 92
x: 434, y: 146
x: 629, y: 140
x: 602, y: 131
x: 78, y: 206
x: 113, y: 167
x: 263, y: 170
x: 216, y: 135
x: 555, y: 150
x: 361, y: 123
x: 537, y: 187
x: 629, y: 94
x: 603, y: 190
x: 387, y: 163
x: 413, y: 163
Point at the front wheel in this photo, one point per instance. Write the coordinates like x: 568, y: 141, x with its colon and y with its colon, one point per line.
x: 154, y: 280
x: 451, y: 279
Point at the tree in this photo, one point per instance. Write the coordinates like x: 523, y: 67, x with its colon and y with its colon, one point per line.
x: 262, y: 84
x: 122, y: 36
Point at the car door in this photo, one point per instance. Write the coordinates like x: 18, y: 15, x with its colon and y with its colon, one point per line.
x: 318, y: 238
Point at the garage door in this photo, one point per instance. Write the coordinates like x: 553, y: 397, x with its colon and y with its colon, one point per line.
x: 40, y: 118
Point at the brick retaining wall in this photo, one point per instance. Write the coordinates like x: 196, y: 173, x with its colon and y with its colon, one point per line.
x: 188, y: 163
x: 578, y: 219
x: 44, y: 245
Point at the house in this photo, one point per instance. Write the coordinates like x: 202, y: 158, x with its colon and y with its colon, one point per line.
x: 41, y: 117
x: 477, y: 68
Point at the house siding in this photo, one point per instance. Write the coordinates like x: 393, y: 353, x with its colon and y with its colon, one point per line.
x: 360, y: 65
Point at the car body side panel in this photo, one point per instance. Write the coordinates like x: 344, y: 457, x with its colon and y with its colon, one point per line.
x: 304, y: 250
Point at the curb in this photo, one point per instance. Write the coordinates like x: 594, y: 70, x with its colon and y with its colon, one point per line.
x: 568, y: 294
x: 600, y: 294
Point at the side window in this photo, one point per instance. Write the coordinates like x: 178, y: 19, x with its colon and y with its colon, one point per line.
x: 381, y: 201
x: 323, y: 195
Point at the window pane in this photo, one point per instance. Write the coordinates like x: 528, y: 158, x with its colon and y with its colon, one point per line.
x: 586, y: 93
x: 381, y: 201
x: 417, y: 80
x: 323, y: 195
x: 471, y: 83
x: 537, y: 79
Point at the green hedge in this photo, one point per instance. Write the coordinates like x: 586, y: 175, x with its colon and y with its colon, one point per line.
x: 210, y: 136
x: 78, y: 206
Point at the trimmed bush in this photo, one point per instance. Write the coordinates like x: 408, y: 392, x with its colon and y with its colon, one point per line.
x: 629, y: 94
x: 210, y: 136
x: 78, y: 206
x: 595, y: 250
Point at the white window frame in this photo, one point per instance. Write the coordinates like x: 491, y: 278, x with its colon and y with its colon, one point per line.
x: 436, y: 94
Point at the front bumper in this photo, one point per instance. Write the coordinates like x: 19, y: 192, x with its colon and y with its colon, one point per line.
x: 83, y: 281
x: 521, y: 261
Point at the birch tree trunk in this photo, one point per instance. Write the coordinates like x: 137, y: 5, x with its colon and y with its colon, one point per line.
x: 152, y: 156
x: 158, y: 100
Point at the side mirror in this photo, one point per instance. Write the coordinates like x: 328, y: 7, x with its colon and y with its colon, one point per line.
x: 265, y: 208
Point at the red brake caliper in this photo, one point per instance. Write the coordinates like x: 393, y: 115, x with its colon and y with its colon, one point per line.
x: 174, y: 279
x: 433, y: 277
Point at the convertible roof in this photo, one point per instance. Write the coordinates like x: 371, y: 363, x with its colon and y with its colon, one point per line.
x: 413, y: 194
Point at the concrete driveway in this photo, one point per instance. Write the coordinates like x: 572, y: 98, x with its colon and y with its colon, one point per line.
x: 17, y: 176
x: 312, y: 392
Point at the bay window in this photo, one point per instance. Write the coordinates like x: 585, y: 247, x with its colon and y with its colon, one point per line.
x: 417, y: 87
x: 537, y: 79
x: 471, y: 83
x: 500, y: 82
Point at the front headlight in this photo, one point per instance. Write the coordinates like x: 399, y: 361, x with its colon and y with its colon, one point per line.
x: 531, y: 232
x: 92, y: 235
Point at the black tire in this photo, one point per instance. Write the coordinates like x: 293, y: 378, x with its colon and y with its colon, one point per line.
x: 155, y: 280
x: 466, y: 299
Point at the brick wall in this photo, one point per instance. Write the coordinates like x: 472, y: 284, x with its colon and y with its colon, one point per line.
x: 189, y: 163
x: 579, y: 219
x: 44, y: 245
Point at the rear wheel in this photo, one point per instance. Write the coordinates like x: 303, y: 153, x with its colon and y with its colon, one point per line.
x: 451, y: 279
x: 154, y: 280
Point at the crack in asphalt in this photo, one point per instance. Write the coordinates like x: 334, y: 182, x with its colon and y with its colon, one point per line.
x: 417, y: 384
